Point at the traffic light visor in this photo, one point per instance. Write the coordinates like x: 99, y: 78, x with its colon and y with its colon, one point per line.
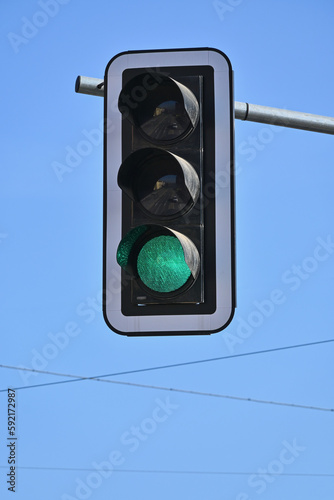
x: 163, y: 109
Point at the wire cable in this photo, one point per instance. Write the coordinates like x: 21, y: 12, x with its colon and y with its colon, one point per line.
x: 174, y: 365
x: 172, y: 389
x: 147, y: 471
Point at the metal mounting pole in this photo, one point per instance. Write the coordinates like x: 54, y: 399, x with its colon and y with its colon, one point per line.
x: 243, y: 110
x: 90, y: 86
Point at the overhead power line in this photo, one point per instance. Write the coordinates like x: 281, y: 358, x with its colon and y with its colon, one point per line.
x: 148, y: 471
x: 173, y: 389
x: 160, y: 367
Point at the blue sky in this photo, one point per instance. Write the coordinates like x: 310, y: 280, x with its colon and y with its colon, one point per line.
x: 51, y: 267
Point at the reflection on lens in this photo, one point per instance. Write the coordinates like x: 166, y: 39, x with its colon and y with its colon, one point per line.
x: 161, y: 189
x: 165, y: 122
x: 161, y: 265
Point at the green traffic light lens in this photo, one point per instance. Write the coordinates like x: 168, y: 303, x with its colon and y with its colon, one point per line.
x: 124, y: 248
x: 161, y: 265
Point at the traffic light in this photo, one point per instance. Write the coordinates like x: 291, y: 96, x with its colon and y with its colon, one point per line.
x: 168, y: 192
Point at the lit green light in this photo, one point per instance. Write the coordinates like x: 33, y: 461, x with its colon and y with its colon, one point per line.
x: 124, y: 248
x: 161, y: 265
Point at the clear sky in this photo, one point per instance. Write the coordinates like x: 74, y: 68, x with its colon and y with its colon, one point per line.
x: 166, y: 445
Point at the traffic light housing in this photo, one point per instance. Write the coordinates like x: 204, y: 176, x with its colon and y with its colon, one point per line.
x: 168, y: 192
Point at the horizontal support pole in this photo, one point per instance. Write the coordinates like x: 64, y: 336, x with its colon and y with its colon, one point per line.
x: 242, y: 110
x: 284, y: 117
x: 90, y: 86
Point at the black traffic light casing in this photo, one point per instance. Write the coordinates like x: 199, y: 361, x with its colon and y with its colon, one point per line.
x: 168, y: 193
